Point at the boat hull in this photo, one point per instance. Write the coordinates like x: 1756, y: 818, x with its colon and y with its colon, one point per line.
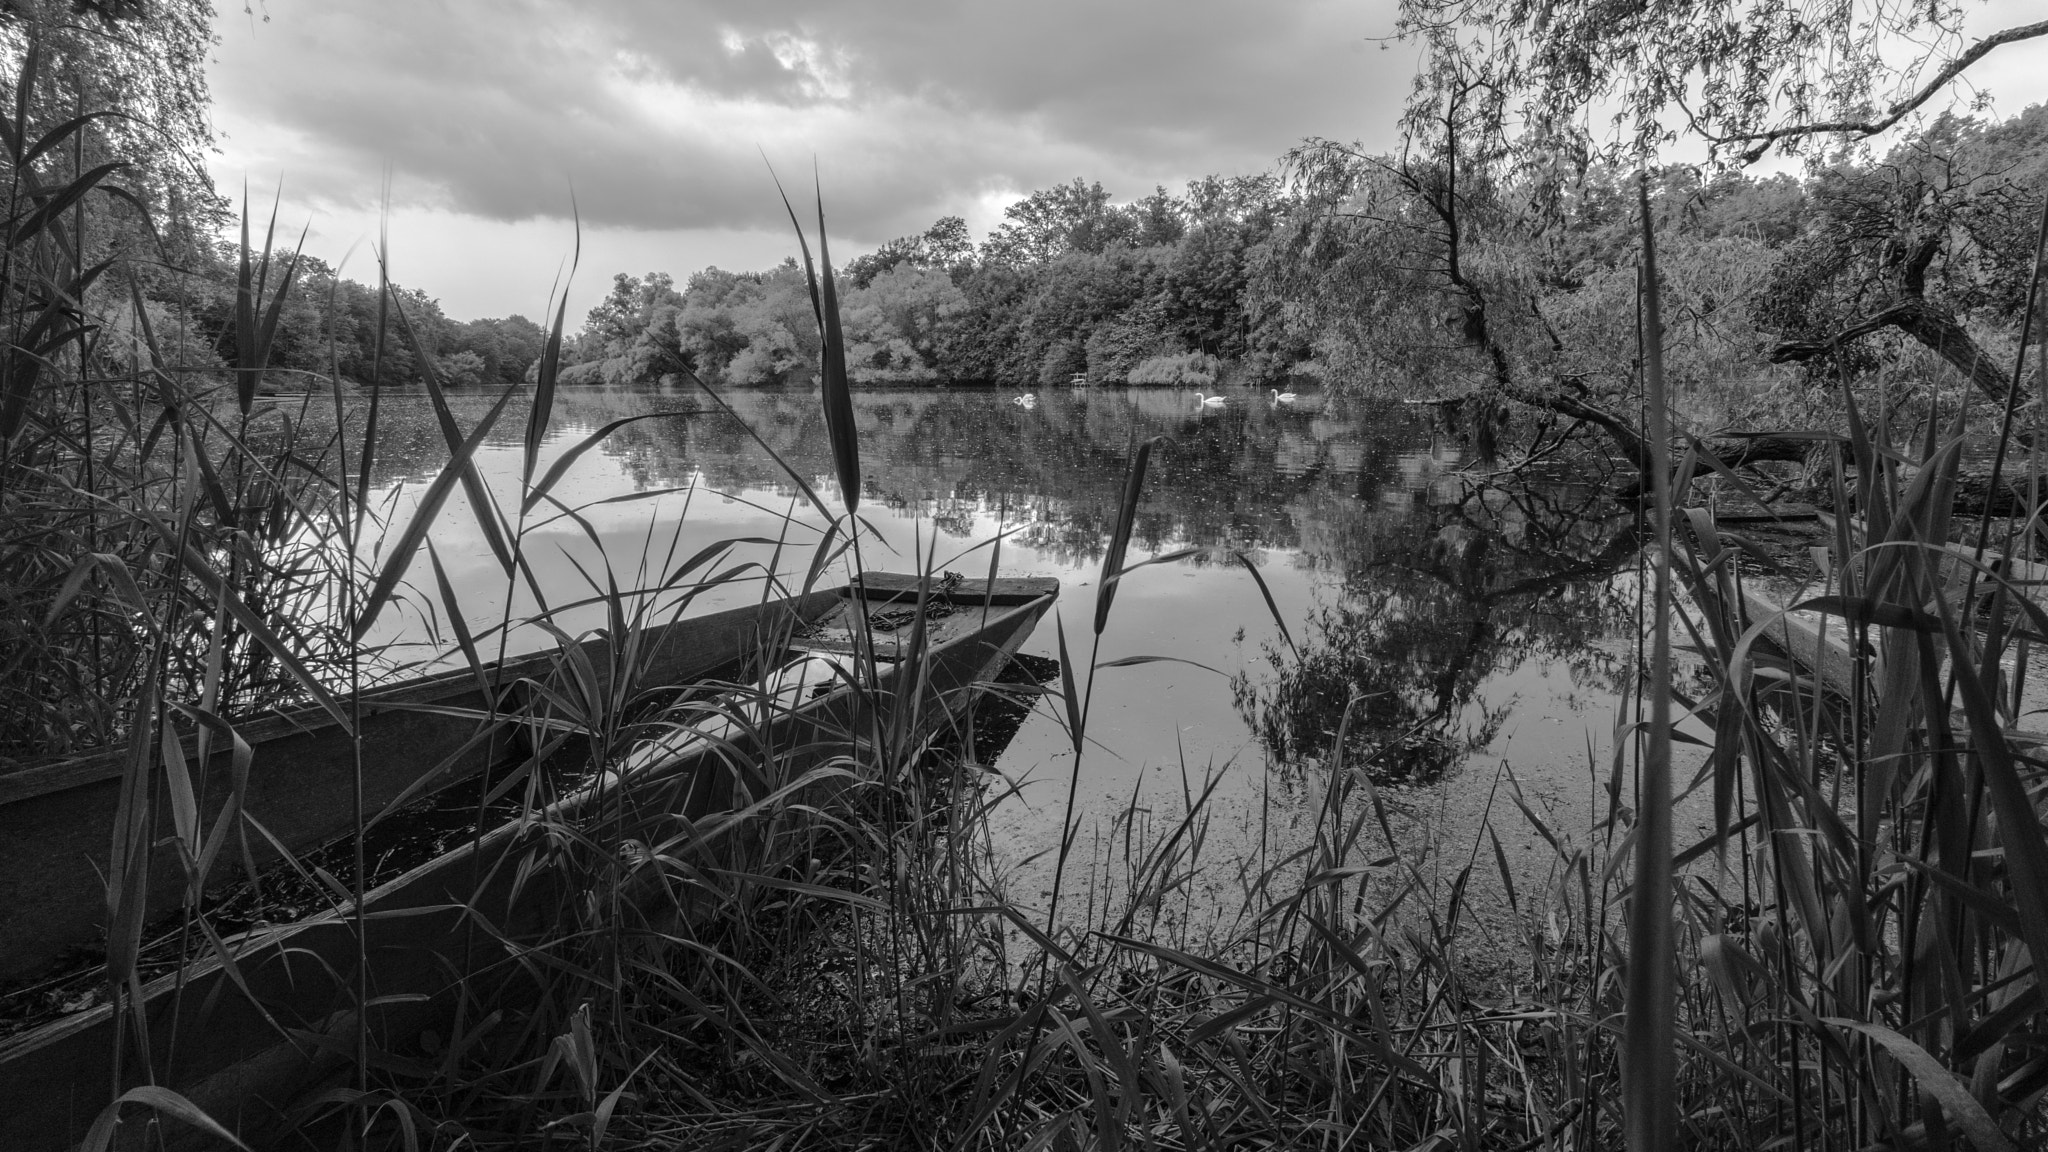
x: 277, y: 1029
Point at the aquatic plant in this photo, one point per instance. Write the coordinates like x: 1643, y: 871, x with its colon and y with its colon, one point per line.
x: 829, y: 957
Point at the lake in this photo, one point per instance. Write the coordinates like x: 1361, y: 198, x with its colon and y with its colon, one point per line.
x: 1485, y: 620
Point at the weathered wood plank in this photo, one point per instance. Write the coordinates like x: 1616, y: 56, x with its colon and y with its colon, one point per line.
x: 55, y: 824
x: 1812, y: 640
x: 1815, y: 641
x: 1771, y: 514
x: 1006, y: 590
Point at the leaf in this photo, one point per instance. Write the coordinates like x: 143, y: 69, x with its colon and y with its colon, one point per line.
x: 266, y: 331
x: 245, y: 314
x: 24, y: 92
x: 241, y: 756
x: 1867, y: 610
x: 1961, y: 1108
x: 1120, y: 539
x: 80, y: 572
x: 1069, y: 691
x: 184, y: 805
x: 225, y: 597
x: 100, y: 1137
x: 453, y: 607
x: 838, y: 395
x: 2019, y: 824
x: 562, y: 463
x: 838, y: 422
x: 400, y: 557
x: 1128, y: 661
x: 60, y: 203
x: 550, y: 368
x: 1272, y: 608
x: 62, y: 132
x: 795, y: 477
x: 481, y: 507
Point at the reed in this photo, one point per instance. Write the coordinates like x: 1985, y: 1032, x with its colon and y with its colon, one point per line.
x: 829, y: 957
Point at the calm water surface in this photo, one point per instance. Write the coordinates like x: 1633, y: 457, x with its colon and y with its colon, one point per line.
x: 1484, y: 624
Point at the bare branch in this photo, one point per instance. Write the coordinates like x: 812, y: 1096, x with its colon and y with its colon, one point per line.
x: 1762, y: 141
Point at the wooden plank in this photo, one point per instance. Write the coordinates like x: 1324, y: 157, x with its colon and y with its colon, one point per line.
x: 1815, y: 641
x: 2029, y: 577
x: 42, y: 779
x: 56, y: 826
x: 1006, y: 591
x: 1767, y: 514
x: 1812, y: 640
x: 234, y: 1061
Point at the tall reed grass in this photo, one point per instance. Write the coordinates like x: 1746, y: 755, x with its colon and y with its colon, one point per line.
x: 829, y: 957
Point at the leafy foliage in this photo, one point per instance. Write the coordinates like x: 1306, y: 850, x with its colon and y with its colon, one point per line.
x: 1070, y: 282
x: 1743, y: 77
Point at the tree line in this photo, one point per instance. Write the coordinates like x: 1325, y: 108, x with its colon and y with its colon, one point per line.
x: 327, y: 323
x: 1443, y: 267
x: 1451, y: 267
x: 1070, y: 283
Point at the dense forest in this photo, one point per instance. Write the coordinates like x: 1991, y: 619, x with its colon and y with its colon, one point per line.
x: 1340, y: 264
x: 1430, y: 269
x: 326, y: 320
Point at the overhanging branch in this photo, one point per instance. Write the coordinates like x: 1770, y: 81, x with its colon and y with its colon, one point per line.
x: 1931, y: 326
x: 1761, y: 141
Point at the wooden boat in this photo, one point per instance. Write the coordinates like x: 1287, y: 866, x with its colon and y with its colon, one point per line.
x: 1958, y: 561
x: 1812, y: 640
x: 1821, y: 643
x: 250, y: 1041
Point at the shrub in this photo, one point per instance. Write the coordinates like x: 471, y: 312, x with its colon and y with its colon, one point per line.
x: 1183, y: 369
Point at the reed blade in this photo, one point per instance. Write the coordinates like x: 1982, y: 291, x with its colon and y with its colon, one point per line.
x: 481, y: 507
x: 100, y: 1137
x: 1648, y: 1064
x: 266, y: 329
x: 401, y: 556
x: 1120, y: 539
x: 538, y: 492
x: 245, y: 318
x: 838, y: 396
x: 549, y: 369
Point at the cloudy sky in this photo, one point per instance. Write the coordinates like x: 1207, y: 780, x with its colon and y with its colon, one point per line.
x: 657, y: 113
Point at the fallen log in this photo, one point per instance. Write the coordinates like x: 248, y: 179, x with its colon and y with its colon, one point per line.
x: 1974, y: 493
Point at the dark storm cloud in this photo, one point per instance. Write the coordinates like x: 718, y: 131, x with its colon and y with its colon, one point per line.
x: 658, y: 110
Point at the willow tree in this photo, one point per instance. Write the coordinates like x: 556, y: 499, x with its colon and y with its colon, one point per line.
x: 137, y: 69
x: 1459, y: 273
x: 1933, y: 243
x: 1742, y: 77
x: 1581, y: 80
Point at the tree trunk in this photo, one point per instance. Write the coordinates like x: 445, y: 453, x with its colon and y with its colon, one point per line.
x: 1973, y: 492
x: 1930, y: 325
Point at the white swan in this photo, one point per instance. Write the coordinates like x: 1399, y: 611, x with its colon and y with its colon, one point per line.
x: 1027, y: 400
x: 1280, y: 397
x: 1208, y: 401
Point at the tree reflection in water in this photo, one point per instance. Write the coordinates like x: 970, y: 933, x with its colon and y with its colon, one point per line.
x: 1416, y: 582
x: 1510, y: 573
